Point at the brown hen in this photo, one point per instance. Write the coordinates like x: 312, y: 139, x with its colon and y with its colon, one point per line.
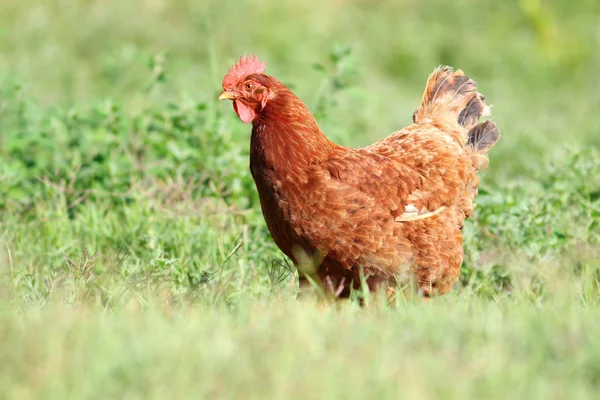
x: 391, y: 210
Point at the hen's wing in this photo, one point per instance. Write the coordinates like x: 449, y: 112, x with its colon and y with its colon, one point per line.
x: 438, y: 163
x: 419, y: 167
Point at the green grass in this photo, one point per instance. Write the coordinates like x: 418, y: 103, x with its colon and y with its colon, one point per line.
x: 134, y: 260
x: 455, y: 348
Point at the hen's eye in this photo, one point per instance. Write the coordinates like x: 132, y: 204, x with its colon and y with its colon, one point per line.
x: 248, y: 86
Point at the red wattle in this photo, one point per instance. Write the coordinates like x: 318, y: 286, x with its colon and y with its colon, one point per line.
x: 243, y: 111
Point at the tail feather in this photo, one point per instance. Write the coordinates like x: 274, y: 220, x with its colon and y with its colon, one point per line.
x: 483, y: 136
x: 474, y: 110
x: 481, y: 139
x: 443, y: 80
x: 452, y: 97
x: 449, y: 94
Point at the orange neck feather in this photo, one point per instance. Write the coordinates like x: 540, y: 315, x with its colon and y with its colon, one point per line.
x: 286, y: 135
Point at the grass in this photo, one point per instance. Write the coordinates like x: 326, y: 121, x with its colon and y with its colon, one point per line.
x: 451, y: 349
x: 134, y: 260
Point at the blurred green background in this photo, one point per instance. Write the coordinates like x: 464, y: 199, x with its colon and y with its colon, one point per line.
x: 128, y: 213
x: 536, y: 61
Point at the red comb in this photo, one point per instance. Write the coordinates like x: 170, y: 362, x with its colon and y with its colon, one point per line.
x: 241, y: 69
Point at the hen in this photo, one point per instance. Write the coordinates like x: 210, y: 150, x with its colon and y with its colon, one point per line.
x: 391, y: 210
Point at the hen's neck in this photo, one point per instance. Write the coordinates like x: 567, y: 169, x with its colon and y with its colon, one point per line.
x: 286, y: 135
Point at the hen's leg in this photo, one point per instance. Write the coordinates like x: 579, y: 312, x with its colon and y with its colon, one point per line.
x: 331, y: 282
x: 304, y: 287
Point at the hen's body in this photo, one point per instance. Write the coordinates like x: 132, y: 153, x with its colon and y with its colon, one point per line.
x: 394, y: 208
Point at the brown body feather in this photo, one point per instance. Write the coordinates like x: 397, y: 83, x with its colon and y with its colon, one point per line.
x: 348, y: 207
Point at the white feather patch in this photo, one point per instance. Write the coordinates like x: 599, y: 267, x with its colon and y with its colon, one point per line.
x: 487, y: 111
x: 411, y: 213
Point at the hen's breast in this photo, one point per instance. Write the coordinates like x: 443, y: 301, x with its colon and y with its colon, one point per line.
x: 275, y: 208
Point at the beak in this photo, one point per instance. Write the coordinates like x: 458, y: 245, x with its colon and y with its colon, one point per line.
x: 227, y: 96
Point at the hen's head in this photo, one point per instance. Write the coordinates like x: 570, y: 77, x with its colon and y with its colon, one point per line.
x: 248, y: 87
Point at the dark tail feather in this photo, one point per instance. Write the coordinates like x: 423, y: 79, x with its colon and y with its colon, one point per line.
x: 474, y: 109
x: 483, y: 136
x: 452, y: 95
